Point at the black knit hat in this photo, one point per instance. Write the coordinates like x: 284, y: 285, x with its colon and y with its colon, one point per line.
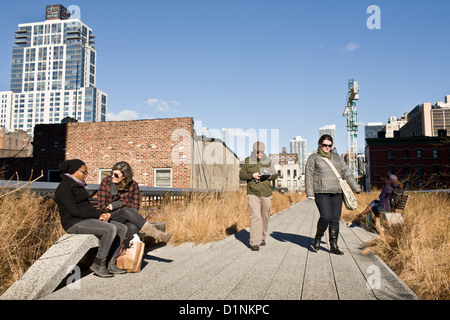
x: 70, y: 166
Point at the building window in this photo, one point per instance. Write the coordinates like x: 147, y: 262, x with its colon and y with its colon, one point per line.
x: 435, y: 153
x: 405, y: 153
x: 420, y: 170
x: 419, y: 153
x: 390, y: 154
x: 163, y: 177
x: 102, y: 174
x: 406, y: 170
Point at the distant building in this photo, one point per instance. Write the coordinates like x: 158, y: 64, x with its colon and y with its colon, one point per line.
x: 428, y: 120
x: 328, y: 129
x: 419, y: 162
x: 15, y: 144
x: 298, y: 146
x: 162, y: 153
x: 371, y: 129
x: 53, y: 74
x: 289, y: 171
x: 393, y: 126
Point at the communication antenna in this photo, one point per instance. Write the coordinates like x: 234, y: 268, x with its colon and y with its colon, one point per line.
x: 352, y: 125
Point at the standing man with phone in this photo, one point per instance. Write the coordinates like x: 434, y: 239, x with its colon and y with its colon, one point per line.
x: 258, y: 171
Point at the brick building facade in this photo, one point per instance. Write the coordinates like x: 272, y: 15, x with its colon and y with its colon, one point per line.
x: 162, y: 153
x: 418, y: 162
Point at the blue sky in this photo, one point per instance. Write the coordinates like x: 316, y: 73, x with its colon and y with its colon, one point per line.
x: 259, y: 64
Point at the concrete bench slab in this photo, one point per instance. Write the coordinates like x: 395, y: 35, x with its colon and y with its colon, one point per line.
x: 44, y: 276
x: 51, y: 268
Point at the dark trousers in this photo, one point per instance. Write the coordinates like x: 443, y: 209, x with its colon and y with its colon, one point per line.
x: 330, y: 208
x: 132, y: 219
x: 111, y: 235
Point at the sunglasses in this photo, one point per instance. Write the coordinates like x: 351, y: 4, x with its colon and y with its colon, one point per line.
x: 84, y: 172
x: 115, y: 175
x: 326, y: 145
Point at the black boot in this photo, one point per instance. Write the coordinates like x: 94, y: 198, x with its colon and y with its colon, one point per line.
x: 334, y: 234
x: 99, y: 268
x: 319, y: 235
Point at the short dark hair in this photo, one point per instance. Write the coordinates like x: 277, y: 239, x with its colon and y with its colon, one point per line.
x: 325, y: 137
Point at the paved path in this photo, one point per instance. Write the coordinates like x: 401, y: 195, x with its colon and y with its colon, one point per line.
x: 285, y: 269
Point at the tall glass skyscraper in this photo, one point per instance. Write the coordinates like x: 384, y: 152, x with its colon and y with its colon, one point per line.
x: 53, y: 74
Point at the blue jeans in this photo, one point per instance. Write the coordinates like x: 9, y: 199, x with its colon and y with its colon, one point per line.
x: 376, y: 207
x: 330, y: 208
x: 111, y: 235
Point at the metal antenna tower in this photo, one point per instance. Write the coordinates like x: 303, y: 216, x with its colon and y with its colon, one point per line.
x: 352, y: 125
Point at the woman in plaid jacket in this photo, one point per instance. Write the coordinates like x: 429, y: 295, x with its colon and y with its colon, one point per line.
x: 119, y: 195
x: 322, y: 185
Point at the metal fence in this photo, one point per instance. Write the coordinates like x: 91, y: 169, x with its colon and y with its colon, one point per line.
x: 150, y: 196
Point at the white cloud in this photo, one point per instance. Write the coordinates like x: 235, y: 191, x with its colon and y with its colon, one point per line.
x: 122, y: 115
x: 163, y: 106
x: 352, y: 46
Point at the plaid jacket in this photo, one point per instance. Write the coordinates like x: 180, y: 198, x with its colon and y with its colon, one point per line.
x: 320, y: 178
x: 130, y: 197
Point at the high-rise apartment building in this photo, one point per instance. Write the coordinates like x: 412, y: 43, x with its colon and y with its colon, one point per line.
x: 298, y: 146
x: 53, y: 74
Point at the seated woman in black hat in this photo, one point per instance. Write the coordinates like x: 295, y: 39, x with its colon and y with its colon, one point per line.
x: 79, y: 216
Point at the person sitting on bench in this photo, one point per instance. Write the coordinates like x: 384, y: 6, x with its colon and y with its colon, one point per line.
x: 79, y: 216
x: 382, y: 204
x: 119, y: 195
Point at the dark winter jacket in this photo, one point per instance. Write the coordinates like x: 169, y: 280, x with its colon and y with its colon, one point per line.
x: 386, y: 194
x: 73, y: 203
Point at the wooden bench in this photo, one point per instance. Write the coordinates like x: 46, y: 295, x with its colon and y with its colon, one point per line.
x: 390, y: 217
x: 397, y: 215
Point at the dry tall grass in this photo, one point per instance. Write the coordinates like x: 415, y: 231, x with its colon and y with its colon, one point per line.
x: 417, y: 250
x: 29, y: 225
x: 211, y: 218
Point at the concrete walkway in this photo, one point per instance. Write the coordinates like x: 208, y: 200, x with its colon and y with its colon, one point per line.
x: 285, y: 269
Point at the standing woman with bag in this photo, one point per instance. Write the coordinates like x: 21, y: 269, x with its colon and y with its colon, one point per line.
x: 322, y: 185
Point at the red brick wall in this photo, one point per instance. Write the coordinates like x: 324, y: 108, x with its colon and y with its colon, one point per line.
x: 379, y: 162
x: 144, y: 144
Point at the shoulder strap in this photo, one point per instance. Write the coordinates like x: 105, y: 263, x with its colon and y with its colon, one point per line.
x: 332, y: 167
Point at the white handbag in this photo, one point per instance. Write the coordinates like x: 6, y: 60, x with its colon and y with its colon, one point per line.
x: 347, y: 193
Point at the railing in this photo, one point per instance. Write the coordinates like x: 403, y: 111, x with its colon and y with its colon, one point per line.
x: 150, y: 196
